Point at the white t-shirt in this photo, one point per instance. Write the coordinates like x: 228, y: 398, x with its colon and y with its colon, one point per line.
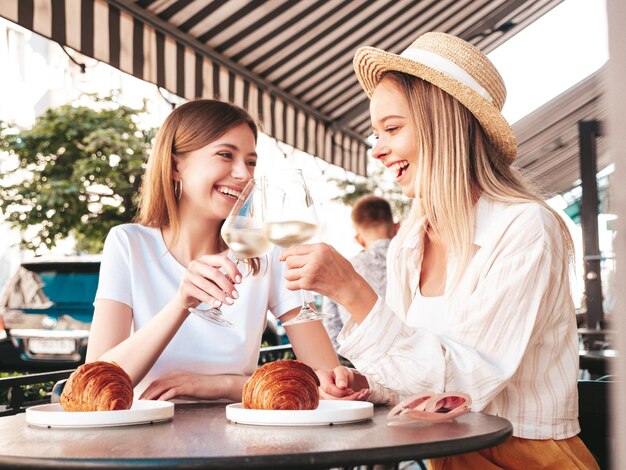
x: 139, y: 271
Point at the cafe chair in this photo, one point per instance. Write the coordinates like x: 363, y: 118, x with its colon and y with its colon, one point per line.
x: 594, y: 417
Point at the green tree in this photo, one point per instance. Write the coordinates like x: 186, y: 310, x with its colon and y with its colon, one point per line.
x: 77, y: 173
x: 377, y: 182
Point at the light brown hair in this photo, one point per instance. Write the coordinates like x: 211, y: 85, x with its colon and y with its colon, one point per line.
x: 189, y: 127
x: 456, y: 164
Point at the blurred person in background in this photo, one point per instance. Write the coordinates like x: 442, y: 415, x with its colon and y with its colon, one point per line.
x: 374, y: 226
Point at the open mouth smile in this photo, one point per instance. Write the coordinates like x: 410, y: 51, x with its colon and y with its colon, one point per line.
x: 399, y: 168
x: 228, y: 191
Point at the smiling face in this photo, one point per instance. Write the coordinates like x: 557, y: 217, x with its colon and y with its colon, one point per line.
x: 396, y: 145
x: 213, y: 176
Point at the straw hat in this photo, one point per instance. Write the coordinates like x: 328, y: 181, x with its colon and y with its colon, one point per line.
x: 456, y: 67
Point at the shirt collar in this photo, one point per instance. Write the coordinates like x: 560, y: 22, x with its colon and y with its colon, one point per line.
x: 485, y: 210
x: 487, y: 214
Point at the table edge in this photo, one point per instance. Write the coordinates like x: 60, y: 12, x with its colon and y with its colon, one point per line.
x: 344, y: 458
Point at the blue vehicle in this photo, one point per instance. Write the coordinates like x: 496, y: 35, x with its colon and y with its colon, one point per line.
x: 46, y: 309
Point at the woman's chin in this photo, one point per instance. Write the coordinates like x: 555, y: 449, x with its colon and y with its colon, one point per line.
x: 408, y: 191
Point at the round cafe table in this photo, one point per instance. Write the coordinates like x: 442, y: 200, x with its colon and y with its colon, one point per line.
x: 201, y: 436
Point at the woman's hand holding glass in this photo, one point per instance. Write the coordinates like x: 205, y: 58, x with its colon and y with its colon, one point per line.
x: 244, y: 234
x: 320, y: 268
x: 210, y: 280
x: 290, y: 219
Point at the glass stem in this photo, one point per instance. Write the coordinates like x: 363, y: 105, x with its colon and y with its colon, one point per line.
x: 305, y: 305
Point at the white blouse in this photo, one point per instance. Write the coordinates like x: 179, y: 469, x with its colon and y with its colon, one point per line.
x: 508, y: 337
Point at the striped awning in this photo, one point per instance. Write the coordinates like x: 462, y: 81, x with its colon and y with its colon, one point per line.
x: 288, y: 62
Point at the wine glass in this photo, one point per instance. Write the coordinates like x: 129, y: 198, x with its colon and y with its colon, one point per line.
x: 244, y: 234
x: 290, y: 219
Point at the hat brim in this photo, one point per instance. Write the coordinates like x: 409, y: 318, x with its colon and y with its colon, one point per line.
x: 370, y: 64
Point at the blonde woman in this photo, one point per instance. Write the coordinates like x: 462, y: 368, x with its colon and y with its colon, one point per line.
x: 478, y: 296
x: 174, y: 258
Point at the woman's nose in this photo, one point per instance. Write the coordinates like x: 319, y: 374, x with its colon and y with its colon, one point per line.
x: 380, y: 150
x: 241, y: 171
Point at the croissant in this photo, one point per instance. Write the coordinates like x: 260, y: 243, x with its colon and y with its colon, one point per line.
x: 98, y: 386
x: 282, y: 385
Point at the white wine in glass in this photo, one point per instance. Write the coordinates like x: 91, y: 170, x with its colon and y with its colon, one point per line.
x: 290, y: 232
x: 290, y: 219
x: 244, y: 233
x: 245, y: 242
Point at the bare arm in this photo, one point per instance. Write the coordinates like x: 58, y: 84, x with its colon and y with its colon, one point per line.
x: 311, y: 343
x: 110, y: 338
x: 312, y: 346
x: 179, y: 384
x: 333, y: 324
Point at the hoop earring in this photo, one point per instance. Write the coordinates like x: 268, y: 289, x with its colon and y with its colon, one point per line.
x: 178, y: 189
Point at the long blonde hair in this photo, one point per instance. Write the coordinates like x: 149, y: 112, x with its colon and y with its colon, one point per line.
x: 456, y: 164
x: 189, y: 127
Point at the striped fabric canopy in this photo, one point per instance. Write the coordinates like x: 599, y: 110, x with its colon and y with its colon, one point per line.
x: 288, y: 62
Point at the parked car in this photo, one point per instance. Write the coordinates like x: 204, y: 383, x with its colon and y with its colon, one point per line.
x: 47, y: 308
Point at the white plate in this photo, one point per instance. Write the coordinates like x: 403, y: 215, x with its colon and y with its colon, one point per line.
x: 328, y: 412
x: 142, y: 411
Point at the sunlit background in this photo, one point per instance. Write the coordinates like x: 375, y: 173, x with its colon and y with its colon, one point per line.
x: 554, y: 53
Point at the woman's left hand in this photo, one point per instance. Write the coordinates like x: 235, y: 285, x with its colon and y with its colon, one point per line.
x: 319, y: 267
x: 179, y: 384
x: 340, y: 384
